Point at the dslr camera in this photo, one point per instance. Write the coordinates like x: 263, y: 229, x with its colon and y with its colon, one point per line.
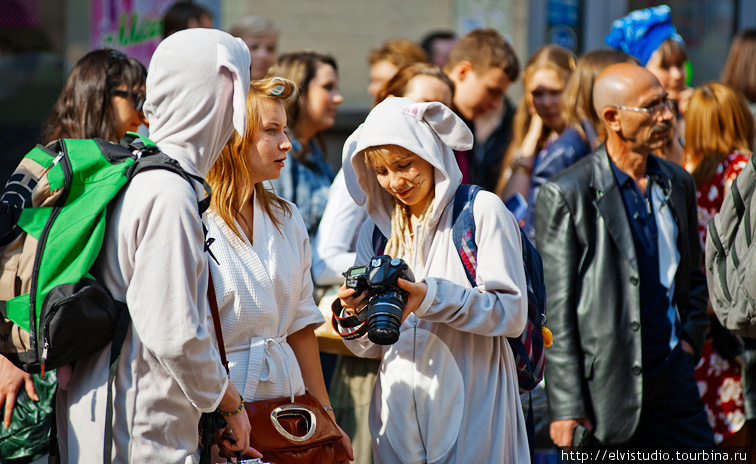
x: 385, y: 299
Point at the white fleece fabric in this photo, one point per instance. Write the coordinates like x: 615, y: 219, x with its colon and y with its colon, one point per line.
x: 447, y: 391
x: 153, y: 258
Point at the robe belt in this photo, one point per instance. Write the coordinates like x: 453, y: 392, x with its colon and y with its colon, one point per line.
x: 262, y: 348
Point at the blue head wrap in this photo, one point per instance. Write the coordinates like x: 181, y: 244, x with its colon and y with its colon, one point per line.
x: 641, y: 32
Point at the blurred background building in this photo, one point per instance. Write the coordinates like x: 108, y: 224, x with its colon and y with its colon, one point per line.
x: 41, y: 39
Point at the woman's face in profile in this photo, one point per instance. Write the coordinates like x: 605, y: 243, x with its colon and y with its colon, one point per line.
x: 125, y: 103
x: 267, y: 151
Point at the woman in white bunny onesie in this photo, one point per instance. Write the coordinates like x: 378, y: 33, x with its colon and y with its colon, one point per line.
x: 447, y: 390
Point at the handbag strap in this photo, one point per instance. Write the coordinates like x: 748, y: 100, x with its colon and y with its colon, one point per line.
x: 216, y: 320
x: 219, y: 333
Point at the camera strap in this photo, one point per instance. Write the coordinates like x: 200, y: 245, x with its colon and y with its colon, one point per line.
x: 348, y: 322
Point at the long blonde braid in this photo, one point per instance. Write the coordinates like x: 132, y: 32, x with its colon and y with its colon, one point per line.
x: 400, y: 243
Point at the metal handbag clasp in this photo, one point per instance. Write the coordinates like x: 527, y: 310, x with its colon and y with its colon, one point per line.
x: 294, y: 410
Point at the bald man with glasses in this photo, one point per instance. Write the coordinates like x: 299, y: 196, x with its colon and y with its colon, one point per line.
x: 625, y: 291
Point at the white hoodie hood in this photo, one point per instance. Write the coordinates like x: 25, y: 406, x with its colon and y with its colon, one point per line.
x: 191, y: 113
x: 430, y: 130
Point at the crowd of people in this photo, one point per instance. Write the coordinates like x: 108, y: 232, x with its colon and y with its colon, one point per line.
x: 611, y: 164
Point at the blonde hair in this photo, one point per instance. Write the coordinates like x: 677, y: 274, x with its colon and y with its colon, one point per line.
x: 400, y: 243
x: 229, y: 177
x: 717, y: 123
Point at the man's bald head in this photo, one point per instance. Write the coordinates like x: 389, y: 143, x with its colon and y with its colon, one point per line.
x: 633, y: 107
x: 619, y: 84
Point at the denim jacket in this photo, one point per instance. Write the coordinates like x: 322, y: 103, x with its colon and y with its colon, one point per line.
x: 304, y: 181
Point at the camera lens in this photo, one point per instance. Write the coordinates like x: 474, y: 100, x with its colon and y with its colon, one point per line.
x: 385, y: 317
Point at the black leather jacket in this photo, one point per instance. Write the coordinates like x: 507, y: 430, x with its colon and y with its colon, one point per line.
x: 594, y: 369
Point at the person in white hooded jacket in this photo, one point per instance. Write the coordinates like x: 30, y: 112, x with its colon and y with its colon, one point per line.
x: 153, y: 259
x: 447, y: 390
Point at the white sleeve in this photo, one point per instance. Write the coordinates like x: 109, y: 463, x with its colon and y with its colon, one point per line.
x: 333, y: 249
x: 498, y: 304
x: 167, y: 292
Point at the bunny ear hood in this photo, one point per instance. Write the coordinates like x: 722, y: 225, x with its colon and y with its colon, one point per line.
x: 197, y: 88
x: 430, y: 130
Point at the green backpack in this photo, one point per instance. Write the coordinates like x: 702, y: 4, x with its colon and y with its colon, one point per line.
x: 53, y: 215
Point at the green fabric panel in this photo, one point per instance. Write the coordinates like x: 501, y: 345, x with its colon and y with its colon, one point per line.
x: 39, y: 155
x: 18, y: 310
x: 145, y: 140
x: 76, y: 237
x: 33, y: 220
x: 56, y: 177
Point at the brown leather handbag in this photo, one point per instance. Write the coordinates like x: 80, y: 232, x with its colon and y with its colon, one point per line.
x: 286, y: 431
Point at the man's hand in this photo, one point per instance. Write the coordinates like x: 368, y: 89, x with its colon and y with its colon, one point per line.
x: 687, y: 347
x: 346, y: 445
x: 561, y: 431
x: 237, y: 435
x: 11, y: 380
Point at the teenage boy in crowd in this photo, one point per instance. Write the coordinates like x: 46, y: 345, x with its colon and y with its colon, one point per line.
x: 482, y: 66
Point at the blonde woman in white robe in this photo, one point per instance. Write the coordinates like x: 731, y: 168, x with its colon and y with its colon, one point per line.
x: 262, y: 274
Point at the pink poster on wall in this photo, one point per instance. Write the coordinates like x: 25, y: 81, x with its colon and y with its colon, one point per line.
x: 132, y: 26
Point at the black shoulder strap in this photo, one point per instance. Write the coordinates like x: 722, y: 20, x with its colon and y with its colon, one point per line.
x: 159, y: 160
x: 124, y: 320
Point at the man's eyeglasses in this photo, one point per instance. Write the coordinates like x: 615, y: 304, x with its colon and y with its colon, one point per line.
x: 137, y: 98
x: 654, y: 110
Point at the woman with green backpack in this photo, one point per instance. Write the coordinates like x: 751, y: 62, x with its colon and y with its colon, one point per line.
x: 102, y: 79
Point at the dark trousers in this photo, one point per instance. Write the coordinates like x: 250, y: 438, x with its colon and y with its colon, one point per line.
x: 673, y: 415
x: 673, y: 421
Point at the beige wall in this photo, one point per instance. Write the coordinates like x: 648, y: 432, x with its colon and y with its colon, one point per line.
x: 349, y: 29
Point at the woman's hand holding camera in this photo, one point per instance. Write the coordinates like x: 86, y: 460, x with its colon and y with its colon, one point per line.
x: 416, y: 293
x: 352, y: 303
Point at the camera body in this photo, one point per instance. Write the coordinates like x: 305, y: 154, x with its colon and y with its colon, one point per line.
x: 385, y: 299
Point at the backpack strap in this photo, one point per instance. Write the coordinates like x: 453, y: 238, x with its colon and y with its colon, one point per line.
x: 463, y: 232
x: 119, y: 337
x: 150, y: 157
x: 379, y: 242
x: 463, y: 229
